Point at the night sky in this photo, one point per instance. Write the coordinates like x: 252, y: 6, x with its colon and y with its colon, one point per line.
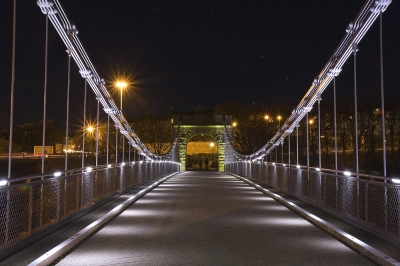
x: 186, y: 53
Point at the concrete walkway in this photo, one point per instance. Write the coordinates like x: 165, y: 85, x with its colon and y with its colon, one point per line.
x: 210, y: 218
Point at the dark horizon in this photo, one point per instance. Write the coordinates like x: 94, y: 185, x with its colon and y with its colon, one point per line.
x: 184, y: 54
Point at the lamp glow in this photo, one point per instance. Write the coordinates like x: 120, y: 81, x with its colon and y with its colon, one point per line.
x: 56, y: 174
x: 298, y: 166
x: 3, y: 183
x: 89, y: 169
x: 396, y: 180
x: 347, y: 173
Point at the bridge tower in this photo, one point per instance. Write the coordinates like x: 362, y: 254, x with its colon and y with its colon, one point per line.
x: 193, y: 124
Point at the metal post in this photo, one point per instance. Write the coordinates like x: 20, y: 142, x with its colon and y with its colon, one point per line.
x: 45, y: 90
x: 129, y: 152
x: 108, y: 136
x: 354, y: 46
x: 282, y: 151
x: 116, y: 143
x: 123, y: 148
x: 334, y: 119
x: 69, y: 51
x: 308, y: 157
x: 84, y: 125
x: 289, y: 148
x: 12, y: 89
x: 383, y: 119
x: 97, y: 132
x: 382, y: 99
x: 297, y: 144
x: 319, y: 131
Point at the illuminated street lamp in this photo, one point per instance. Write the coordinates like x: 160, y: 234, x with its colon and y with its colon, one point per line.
x: 212, y: 150
x: 89, y: 131
x: 279, y: 119
x: 266, y: 117
x: 121, y: 85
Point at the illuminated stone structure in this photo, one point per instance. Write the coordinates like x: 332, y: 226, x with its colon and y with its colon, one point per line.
x: 192, y: 125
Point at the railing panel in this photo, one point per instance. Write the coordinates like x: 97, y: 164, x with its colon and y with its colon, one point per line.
x: 29, y: 207
x: 369, y: 203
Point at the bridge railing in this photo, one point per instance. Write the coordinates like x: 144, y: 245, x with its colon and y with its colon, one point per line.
x: 370, y: 203
x: 32, y: 206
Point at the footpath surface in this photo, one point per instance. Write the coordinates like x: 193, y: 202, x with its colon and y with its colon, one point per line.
x: 210, y: 218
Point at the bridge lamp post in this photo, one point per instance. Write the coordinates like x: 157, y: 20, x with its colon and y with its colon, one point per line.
x: 234, y: 124
x: 266, y: 117
x: 121, y: 85
x: 212, y: 150
x: 89, y: 131
x: 279, y: 119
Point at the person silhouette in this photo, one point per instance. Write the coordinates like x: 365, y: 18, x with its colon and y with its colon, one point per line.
x: 206, y: 162
x: 200, y: 164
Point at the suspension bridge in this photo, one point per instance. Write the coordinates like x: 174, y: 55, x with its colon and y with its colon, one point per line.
x: 255, y: 209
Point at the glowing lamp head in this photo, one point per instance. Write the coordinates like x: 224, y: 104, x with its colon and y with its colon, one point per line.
x: 121, y: 84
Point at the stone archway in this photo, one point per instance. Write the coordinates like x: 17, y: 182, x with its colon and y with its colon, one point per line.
x: 192, y: 125
x: 200, y: 155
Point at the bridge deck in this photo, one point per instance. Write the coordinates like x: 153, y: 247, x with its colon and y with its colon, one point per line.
x: 204, y: 218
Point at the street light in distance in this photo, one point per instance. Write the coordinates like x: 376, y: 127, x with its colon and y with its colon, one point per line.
x: 121, y: 85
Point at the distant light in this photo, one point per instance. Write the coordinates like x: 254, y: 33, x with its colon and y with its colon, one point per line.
x: 109, y: 166
x: 123, y: 163
x: 3, y: 183
x: 273, y: 163
x: 318, y: 169
x: 56, y: 174
x: 284, y: 164
x: 89, y: 169
x: 133, y: 162
x: 347, y: 173
x: 298, y: 166
x: 396, y: 180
